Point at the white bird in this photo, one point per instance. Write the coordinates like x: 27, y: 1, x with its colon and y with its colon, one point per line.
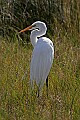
x: 42, y: 56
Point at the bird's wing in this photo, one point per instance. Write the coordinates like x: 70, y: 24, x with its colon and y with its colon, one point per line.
x: 41, y: 62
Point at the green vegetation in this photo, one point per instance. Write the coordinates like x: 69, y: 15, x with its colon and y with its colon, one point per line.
x: 17, y: 100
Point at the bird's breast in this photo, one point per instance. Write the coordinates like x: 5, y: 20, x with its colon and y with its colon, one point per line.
x: 45, y: 41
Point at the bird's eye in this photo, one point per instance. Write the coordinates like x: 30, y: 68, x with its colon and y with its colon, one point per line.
x: 34, y: 25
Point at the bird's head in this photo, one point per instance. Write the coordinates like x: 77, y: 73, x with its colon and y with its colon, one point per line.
x: 36, y: 25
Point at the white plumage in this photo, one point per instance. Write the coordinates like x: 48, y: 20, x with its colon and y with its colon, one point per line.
x: 43, y: 53
x: 41, y: 62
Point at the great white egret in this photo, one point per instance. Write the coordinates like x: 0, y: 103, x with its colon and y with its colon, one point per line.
x: 43, y: 54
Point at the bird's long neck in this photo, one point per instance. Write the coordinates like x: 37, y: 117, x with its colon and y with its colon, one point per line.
x: 33, y: 37
x: 37, y: 33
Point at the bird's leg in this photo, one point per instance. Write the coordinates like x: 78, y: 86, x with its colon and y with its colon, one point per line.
x: 47, y: 85
x: 38, y: 91
x: 32, y: 84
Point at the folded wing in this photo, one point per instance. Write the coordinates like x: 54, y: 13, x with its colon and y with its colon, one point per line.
x: 41, y: 62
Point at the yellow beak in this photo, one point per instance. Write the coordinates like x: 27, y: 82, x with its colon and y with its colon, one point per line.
x: 28, y: 28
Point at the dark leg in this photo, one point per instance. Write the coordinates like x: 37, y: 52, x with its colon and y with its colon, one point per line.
x: 38, y: 92
x: 47, y: 85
